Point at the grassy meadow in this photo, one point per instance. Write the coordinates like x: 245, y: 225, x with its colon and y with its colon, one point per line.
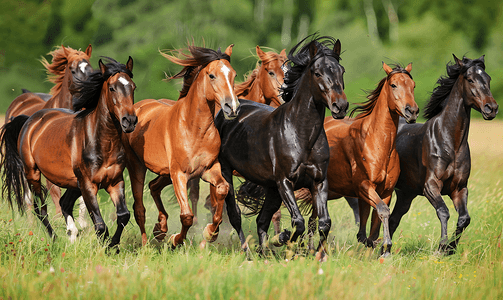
x: 32, y: 266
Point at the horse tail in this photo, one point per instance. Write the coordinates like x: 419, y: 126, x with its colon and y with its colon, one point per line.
x: 252, y: 197
x: 305, y: 202
x: 11, y: 165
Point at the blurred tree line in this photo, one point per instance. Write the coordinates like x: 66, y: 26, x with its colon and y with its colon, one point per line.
x: 371, y: 31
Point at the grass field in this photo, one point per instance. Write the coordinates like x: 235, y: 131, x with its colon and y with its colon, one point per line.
x: 31, y: 266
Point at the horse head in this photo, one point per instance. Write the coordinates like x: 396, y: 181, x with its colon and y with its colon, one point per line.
x: 78, y: 66
x: 400, y: 88
x: 271, y: 75
x: 476, y: 87
x: 119, y: 93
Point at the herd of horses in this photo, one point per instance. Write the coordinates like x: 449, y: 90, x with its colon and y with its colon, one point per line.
x: 83, y: 135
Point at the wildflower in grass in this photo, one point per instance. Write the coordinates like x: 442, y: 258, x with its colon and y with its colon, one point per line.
x: 62, y: 270
x: 381, y: 260
x: 63, y: 254
x: 46, y: 249
x: 30, y: 233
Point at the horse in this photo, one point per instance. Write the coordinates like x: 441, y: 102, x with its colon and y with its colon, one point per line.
x: 435, y: 156
x: 261, y: 86
x: 178, y: 140
x: 286, y: 148
x: 68, y: 66
x: 79, y: 151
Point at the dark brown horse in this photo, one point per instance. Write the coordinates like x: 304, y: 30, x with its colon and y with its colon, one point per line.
x: 67, y: 67
x: 435, y: 156
x: 178, y: 140
x: 81, y: 152
x: 286, y: 148
x: 261, y: 86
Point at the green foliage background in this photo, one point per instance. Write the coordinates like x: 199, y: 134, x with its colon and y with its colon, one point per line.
x: 371, y: 31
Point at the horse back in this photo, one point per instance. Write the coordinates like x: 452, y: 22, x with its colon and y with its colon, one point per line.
x: 24, y: 104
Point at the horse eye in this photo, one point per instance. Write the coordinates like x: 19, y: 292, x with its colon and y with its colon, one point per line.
x: 111, y: 89
x: 470, y: 80
x: 212, y: 76
x: 271, y: 73
x: 317, y: 74
x: 393, y: 85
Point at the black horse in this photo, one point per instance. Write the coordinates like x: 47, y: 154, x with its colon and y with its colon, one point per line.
x: 286, y: 148
x: 434, y: 156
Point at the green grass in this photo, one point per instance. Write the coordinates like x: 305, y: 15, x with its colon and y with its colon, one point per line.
x: 32, y: 266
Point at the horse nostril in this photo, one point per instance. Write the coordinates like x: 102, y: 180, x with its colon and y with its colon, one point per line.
x: 487, y: 108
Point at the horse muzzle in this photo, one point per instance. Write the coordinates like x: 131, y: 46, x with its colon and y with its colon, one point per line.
x: 230, y: 108
x: 410, y: 113
x: 128, y: 123
x: 339, y: 108
x: 490, y: 110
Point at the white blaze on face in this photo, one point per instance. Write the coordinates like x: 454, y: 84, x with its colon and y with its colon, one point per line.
x: 83, y: 66
x: 123, y: 80
x: 226, y: 72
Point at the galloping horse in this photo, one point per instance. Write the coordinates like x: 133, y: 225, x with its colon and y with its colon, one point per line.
x: 81, y: 151
x: 286, y: 148
x: 67, y: 67
x: 435, y: 156
x: 179, y: 141
x: 261, y: 86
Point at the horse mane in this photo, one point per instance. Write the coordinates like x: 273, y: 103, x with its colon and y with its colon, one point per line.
x: 301, y: 61
x: 192, y: 63
x: 364, y: 109
x: 445, y: 85
x: 244, y: 88
x: 56, y: 69
x: 89, y: 91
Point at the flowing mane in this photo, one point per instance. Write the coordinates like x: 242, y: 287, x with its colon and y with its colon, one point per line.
x: 56, y: 69
x: 244, y: 88
x: 364, y: 109
x: 302, y: 60
x: 446, y: 83
x: 89, y: 90
x: 192, y: 64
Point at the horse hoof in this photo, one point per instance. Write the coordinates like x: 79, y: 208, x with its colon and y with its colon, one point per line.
x: 321, y: 256
x: 209, y: 236
x: 173, y: 240
x: 202, y: 245
x: 281, y: 239
x: 159, y: 235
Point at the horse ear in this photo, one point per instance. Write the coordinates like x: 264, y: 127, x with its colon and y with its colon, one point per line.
x: 228, y: 51
x: 260, y: 53
x: 408, y: 68
x: 386, y: 68
x: 312, y: 49
x: 283, y: 53
x: 89, y: 49
x: 64, y: 50
x: 457, y: 60
x: 103, y: 68
x: 337, y: 47
x: 482, y: 58
x: 129, y: 64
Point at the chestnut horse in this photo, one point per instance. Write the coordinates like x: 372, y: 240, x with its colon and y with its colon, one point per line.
x: 261, y: 86
x: 81, y: 152
x: 178, y: 140
x: 67, y: 66
x: 286, y: 148
x: 435, y: 156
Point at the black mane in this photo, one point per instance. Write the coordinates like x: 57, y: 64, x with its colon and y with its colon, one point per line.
x: 445, y: 84
x: 87, y: 93
x: 301, y: 61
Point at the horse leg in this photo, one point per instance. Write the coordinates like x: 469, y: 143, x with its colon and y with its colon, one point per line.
x: 67, y: 203
x: 33, y: 177
x: 218, y: 191
x: 460, y: 200
x: 186, y: 216
x: 118, y: 198
x: 361, y: 236
x: 193, y: 186
x: 137, y: 173
x: 276, y: 221
x: 55, y: 193
x: 82, y: 214
x: 432, y: 189
x: 285, y: 188
x: 402, y: 206
x: 353, y: 203
x: 319, y: 191
x: 89, y: 192
x: 272, y: 203
x: 311, y: 227
x: 156, y: 187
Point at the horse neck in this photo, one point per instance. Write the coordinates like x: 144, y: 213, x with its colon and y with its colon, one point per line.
x: 455, y: 117
x: 254, y: 92
x: 196, y: 109
x: 382, y: 123
x: 100, y: 125
x: 303, y: 112
x: 62, y: 98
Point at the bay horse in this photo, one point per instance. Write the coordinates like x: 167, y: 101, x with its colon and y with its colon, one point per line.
x: 261, y: 86
x: 435, y: 156
x: 79, y: 151
x: 286, y: 148
x: 68, y: 66
x: 178, y: 140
